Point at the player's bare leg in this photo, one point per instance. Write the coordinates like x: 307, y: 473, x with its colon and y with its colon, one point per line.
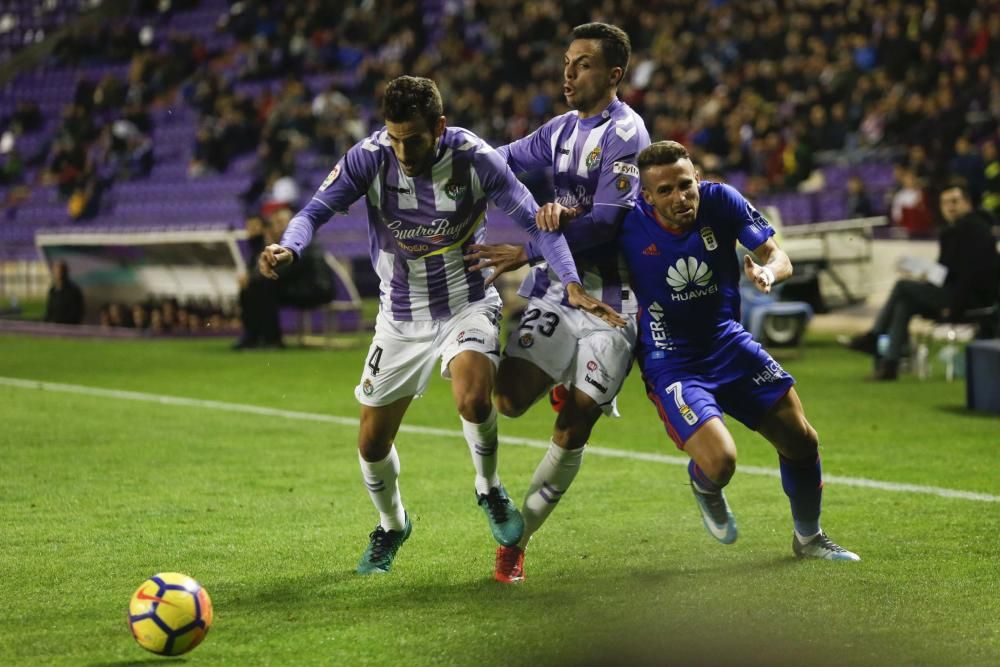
x: 472, y: 379
x: 786, y: 427
x: 378, y: 428
x: 380, y: 471
x: 520, y: 384
x: 713, y: 463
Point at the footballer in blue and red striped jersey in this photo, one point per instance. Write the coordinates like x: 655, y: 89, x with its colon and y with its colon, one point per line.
x: 427, y: 187
x: 696, y: 359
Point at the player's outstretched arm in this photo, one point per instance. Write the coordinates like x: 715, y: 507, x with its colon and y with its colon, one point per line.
x: 775, y: 268
x: 272, y: 258
x: 500, y: 257
x: 578, y: 298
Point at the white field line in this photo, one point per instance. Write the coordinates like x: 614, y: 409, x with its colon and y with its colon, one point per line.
x: 452, y: 433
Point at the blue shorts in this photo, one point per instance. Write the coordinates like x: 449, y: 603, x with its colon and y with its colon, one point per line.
x: 741, y: 380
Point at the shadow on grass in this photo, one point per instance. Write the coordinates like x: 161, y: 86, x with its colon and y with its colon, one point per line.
x: 399, y: 591
x: 139, y: 663
x: 963, y: 411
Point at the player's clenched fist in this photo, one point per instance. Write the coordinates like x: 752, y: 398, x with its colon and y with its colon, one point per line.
x: 272, y: 258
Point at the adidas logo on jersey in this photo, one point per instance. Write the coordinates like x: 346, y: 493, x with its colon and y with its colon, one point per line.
x: 651, y: 249
x: 690, y: 279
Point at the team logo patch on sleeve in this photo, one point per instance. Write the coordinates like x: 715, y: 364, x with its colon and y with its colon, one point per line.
x: 622, y: 184
x: 330, y: 178
x: 625, y: 169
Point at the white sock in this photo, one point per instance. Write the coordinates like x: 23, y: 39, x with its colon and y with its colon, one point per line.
x: 482, y: 439
x: 382, y: 480
x: 552, y: 477
x: 803, y: 539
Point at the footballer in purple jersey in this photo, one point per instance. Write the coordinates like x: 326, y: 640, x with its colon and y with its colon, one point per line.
x: 696, y: 359
x: 591, y: 154
x: 427, y: 187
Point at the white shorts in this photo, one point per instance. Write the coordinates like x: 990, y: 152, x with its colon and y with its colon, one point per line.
x: 575, y: 348
x: 402, y: 354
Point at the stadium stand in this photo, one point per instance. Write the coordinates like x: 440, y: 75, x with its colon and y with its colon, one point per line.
x: 185, y: 113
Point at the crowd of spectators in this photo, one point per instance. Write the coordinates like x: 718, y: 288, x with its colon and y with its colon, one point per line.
x: 105, y: 132
x: 770, y: 89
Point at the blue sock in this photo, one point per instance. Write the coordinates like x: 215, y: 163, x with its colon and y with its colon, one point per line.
x: 803, y: 484
x: 701, y: 480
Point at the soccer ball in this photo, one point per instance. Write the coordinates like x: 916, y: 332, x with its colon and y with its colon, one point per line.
x: 170, y: 613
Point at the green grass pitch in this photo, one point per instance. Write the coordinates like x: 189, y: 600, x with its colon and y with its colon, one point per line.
x: 268, y: 512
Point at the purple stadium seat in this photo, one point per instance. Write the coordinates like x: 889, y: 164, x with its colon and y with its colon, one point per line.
x: 831, y: 205
x: 836, y: 176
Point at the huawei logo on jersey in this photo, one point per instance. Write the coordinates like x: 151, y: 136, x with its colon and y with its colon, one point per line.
x: 688, y: 271
x: 690, y: 279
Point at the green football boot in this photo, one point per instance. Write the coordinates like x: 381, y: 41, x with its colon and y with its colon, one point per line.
x: 505, y: 521
x: 382, y: 548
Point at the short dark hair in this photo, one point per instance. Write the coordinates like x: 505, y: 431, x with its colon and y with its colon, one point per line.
x: 615, y: 44
x: 662, y: 152
x: 410, y: 97
x: 956, y: 183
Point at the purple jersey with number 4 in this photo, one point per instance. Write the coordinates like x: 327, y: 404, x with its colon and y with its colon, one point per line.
x: 420, y: 227
x: 696, y: 358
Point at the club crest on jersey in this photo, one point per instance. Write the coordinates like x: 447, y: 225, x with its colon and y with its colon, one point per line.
x: 594, y: 158
x: 367, y: 387
x: 708, y: 236
x: 526, y: 340
x: 330, y: 178
x: 622, y: 184
x: 454, y: 191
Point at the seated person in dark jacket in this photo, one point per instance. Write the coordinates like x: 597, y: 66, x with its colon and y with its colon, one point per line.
x: 969, y: 253
x: 65, y: 301
x: 306, y: 283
